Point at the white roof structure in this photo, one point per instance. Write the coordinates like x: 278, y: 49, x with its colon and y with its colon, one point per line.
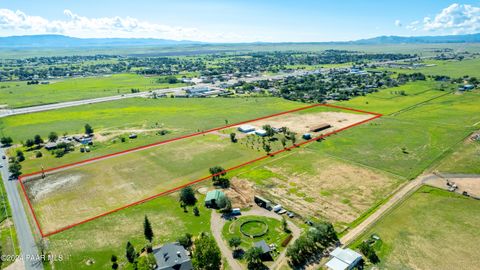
x: 261, y: 132
x: 343, y: 259
x: 246, y: 128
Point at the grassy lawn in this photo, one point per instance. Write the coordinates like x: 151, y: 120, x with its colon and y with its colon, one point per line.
x: 275, y: 234
x: 99, y: 239
x: 19, y: 94
x: 8, y: 235
x: 433, y: 229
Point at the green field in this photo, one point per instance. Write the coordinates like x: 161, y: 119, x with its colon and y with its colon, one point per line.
x: 464, y: 159
x: 61, y: 198
x: 452, y: 68
x: 8, y: 235
x: 432, y: 229
x: 178, y: 116
x: 19, y: 94
x: 104, y: 237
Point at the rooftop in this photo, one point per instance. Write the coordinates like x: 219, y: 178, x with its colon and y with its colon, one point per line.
x: 172, y: 256
x: 343, y: 259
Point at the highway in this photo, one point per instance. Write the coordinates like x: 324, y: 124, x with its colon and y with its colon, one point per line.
x: 29, y: 252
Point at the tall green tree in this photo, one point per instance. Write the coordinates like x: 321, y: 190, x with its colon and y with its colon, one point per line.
x: 37, y: 139
x: 15, y: 169
x: 187, y: 196
x: 206, y: 255
x: 6, y: 141
x: 253, y: 258
x: 52, y: 136
x: 88, y: 129
x: 130, y: 253
x: 147, y: 229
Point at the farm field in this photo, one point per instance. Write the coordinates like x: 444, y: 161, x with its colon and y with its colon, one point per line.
x: 431, y: 226
x: 113, y: 120
x: 464, y: 159
x: 59, y: 198
x: 408, y: 142
x: 99, y: 240
x: 452, y: 68
x: 19, y: 94
x: 317, y: 186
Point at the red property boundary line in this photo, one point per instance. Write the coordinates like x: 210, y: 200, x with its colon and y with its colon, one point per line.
x: 22, y: 177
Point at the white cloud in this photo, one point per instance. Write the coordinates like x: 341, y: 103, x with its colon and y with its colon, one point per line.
x: 413, y: 25
x: 398, y: 23
x: 456, y: 18
x: 80, y: 26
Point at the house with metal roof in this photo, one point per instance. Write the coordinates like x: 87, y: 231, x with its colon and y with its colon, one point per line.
x: 172, y: 256
x: 343, y: 259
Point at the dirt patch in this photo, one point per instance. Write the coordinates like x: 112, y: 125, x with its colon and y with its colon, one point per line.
x: 240, y: 193
x: 470, y: 185
x: 301, y: 123
x: 41, y: 187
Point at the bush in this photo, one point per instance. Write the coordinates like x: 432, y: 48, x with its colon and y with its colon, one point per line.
x: 38, y: 154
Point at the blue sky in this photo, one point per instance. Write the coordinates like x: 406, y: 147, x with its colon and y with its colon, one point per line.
x: 240, y: 21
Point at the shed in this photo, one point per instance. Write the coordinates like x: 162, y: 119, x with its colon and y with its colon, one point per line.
x: 307, y: 136
x: 343, y: 259
x: 215, y: 199
x: 261, y: 132
x: 320, y: 127
x: 246, y: 128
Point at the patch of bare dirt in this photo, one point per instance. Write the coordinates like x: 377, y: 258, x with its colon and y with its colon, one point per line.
x: 301, y: 123
x: 240, y: 193
x: 42, y: 187
x: 470, y: 185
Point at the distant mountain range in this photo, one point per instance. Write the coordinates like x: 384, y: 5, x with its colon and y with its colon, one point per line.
x: 59, y: 41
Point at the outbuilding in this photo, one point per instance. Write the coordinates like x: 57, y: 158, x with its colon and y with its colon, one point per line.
x: 262, y: 245
x: 261, y: 132
x: 320, y: 127
x: 343, y: 259
x: 215, y: 199
x: 246, y: 128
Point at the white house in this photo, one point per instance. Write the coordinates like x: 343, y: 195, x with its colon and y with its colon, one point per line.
x: 343, y: 259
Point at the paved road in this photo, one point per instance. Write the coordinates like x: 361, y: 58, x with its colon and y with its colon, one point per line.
x: 217, y: 223
x: 28, y: 247
x: 40, y: 108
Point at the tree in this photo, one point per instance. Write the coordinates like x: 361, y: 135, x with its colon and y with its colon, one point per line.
x: 52, y: 137
x: 196, y: 212
x: 20, y: 155
x: 147, y: 229
x: 267, y: 148
x: 217, y: 173
x: 130, y: 253
x: 206, y: 255
x: 114, y: 260
x: 253, y: 258
x: 284, y: 142
x: 269, y: 130
x: 187, y: 196
x: 293, y: 137
x: 185, y: 241
x: 88, y: 129
x: 37, y: 139
x: 285, y: 225
x: 29, y: 143
x: 38, y: 154
x: 369, y: 252
x: 15, y: 169
x: 235, y: 242
x: 227, y: 208
x: 233, y: 137
x: 6, y: 141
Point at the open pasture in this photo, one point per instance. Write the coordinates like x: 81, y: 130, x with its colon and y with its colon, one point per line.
x: 19, y: 94
x: 70, y: 195
x: 431, y: 226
